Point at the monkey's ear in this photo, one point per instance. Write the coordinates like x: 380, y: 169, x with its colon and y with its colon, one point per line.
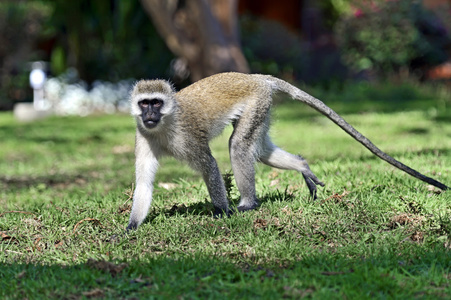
x: 171, y: 86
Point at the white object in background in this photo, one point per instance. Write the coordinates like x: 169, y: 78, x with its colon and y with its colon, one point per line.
x: 37, y: 81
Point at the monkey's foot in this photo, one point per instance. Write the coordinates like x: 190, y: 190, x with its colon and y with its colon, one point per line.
x: 242, y: 208
x: 131, y: 226
x: 312, y: 181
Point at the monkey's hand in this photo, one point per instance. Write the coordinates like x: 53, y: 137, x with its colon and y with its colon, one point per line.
x: 219, y: 213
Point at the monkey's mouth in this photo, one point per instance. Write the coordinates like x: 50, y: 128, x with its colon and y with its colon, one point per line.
x: 150, y: 124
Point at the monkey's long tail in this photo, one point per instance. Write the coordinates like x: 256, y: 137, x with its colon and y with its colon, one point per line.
x: 318, y: 105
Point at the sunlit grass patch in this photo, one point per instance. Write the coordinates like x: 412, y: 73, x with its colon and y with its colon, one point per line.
x: 373, y: 232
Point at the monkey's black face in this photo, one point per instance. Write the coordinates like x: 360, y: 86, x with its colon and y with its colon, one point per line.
x: 151, y: 111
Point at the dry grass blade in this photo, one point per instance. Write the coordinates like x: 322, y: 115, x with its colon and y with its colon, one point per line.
x: 95, y: 221
x: 337, y: 196
x: 95, y: 293
x: 6, y: 237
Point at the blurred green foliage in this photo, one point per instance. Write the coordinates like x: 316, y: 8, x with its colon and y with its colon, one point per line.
x: 392, y: 35
x: 20, y: 26
x: 103, y: 40
x: 271, y: 48
x: 106, y: 40
x: 114, y: 40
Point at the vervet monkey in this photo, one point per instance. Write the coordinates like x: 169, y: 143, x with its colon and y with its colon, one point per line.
x: 181, y: 124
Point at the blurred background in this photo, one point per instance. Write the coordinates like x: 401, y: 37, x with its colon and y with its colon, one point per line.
x: 91, y: 52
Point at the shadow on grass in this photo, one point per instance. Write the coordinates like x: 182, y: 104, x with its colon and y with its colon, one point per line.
x: 443, y: 118
x: 206, y: 208
x: 63, y: 130
x: 419, y: 272
x: 57, y: 180
x: 47, y: 133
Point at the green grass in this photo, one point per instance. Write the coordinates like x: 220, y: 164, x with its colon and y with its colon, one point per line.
x: 374, y: 232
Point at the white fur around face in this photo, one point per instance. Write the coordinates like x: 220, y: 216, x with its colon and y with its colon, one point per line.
x: 166, y: 110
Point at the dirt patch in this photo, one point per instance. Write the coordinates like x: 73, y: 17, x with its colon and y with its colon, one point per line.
x: 405, y: 219
x: 106, y: 266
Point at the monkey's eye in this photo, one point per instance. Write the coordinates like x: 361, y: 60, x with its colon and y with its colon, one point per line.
x: 144, y: 103
x: 156, y: 102
x: 151, y: 102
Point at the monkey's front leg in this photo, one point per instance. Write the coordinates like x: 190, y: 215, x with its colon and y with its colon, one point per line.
x: 215, y: 184
x: 146, y: 168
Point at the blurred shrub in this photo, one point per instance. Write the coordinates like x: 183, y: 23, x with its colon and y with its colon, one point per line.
x: 271, y: 48
x: 69, y: 95
x: 392, y: 35
x: 103, y: 40
x: 106, y: 40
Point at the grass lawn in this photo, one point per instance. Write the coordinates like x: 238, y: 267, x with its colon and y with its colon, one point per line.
x: 374, y: 232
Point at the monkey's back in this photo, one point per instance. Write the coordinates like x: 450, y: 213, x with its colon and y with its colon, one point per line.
x: 210, y: 104
x: 220, y: 94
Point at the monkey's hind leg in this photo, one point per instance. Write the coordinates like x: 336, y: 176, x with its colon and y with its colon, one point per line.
x: 275, y: 157
x: 243, y: 157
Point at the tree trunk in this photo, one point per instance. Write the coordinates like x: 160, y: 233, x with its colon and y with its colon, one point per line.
x: 204, y: 33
